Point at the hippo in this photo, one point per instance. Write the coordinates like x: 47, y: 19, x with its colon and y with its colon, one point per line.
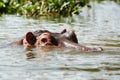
x: 28, y: 41
x: 45, y: 38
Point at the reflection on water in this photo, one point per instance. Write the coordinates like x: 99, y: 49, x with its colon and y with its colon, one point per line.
x: 95, y: 27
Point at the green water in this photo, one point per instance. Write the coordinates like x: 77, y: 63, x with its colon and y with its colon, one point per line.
x: 95, y: 27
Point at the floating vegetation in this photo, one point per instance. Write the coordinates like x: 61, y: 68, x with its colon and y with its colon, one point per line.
x: 37, y: 8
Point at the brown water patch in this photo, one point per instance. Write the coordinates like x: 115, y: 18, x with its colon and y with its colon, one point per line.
x: 111, y: 68
x: 108, y: 40
x: 80, y: 69
x: 107, y: 63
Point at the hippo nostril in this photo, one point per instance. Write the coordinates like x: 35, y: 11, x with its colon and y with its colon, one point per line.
x: 44, y: 40
x: 48, y: 43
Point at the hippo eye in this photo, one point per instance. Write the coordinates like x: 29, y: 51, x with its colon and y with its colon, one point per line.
x: 44, y: 40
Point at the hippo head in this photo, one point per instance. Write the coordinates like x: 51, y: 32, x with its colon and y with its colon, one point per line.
x: 45, y: 39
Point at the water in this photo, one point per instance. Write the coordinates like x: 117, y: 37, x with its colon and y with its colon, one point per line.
x: 95, y: 27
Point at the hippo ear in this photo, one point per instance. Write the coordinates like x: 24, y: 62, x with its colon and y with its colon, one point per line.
x: 31, y: 39
x: 73, y: 37
x: 63, y: 31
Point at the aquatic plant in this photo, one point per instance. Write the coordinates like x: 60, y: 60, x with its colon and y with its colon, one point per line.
x: 42, y: 7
